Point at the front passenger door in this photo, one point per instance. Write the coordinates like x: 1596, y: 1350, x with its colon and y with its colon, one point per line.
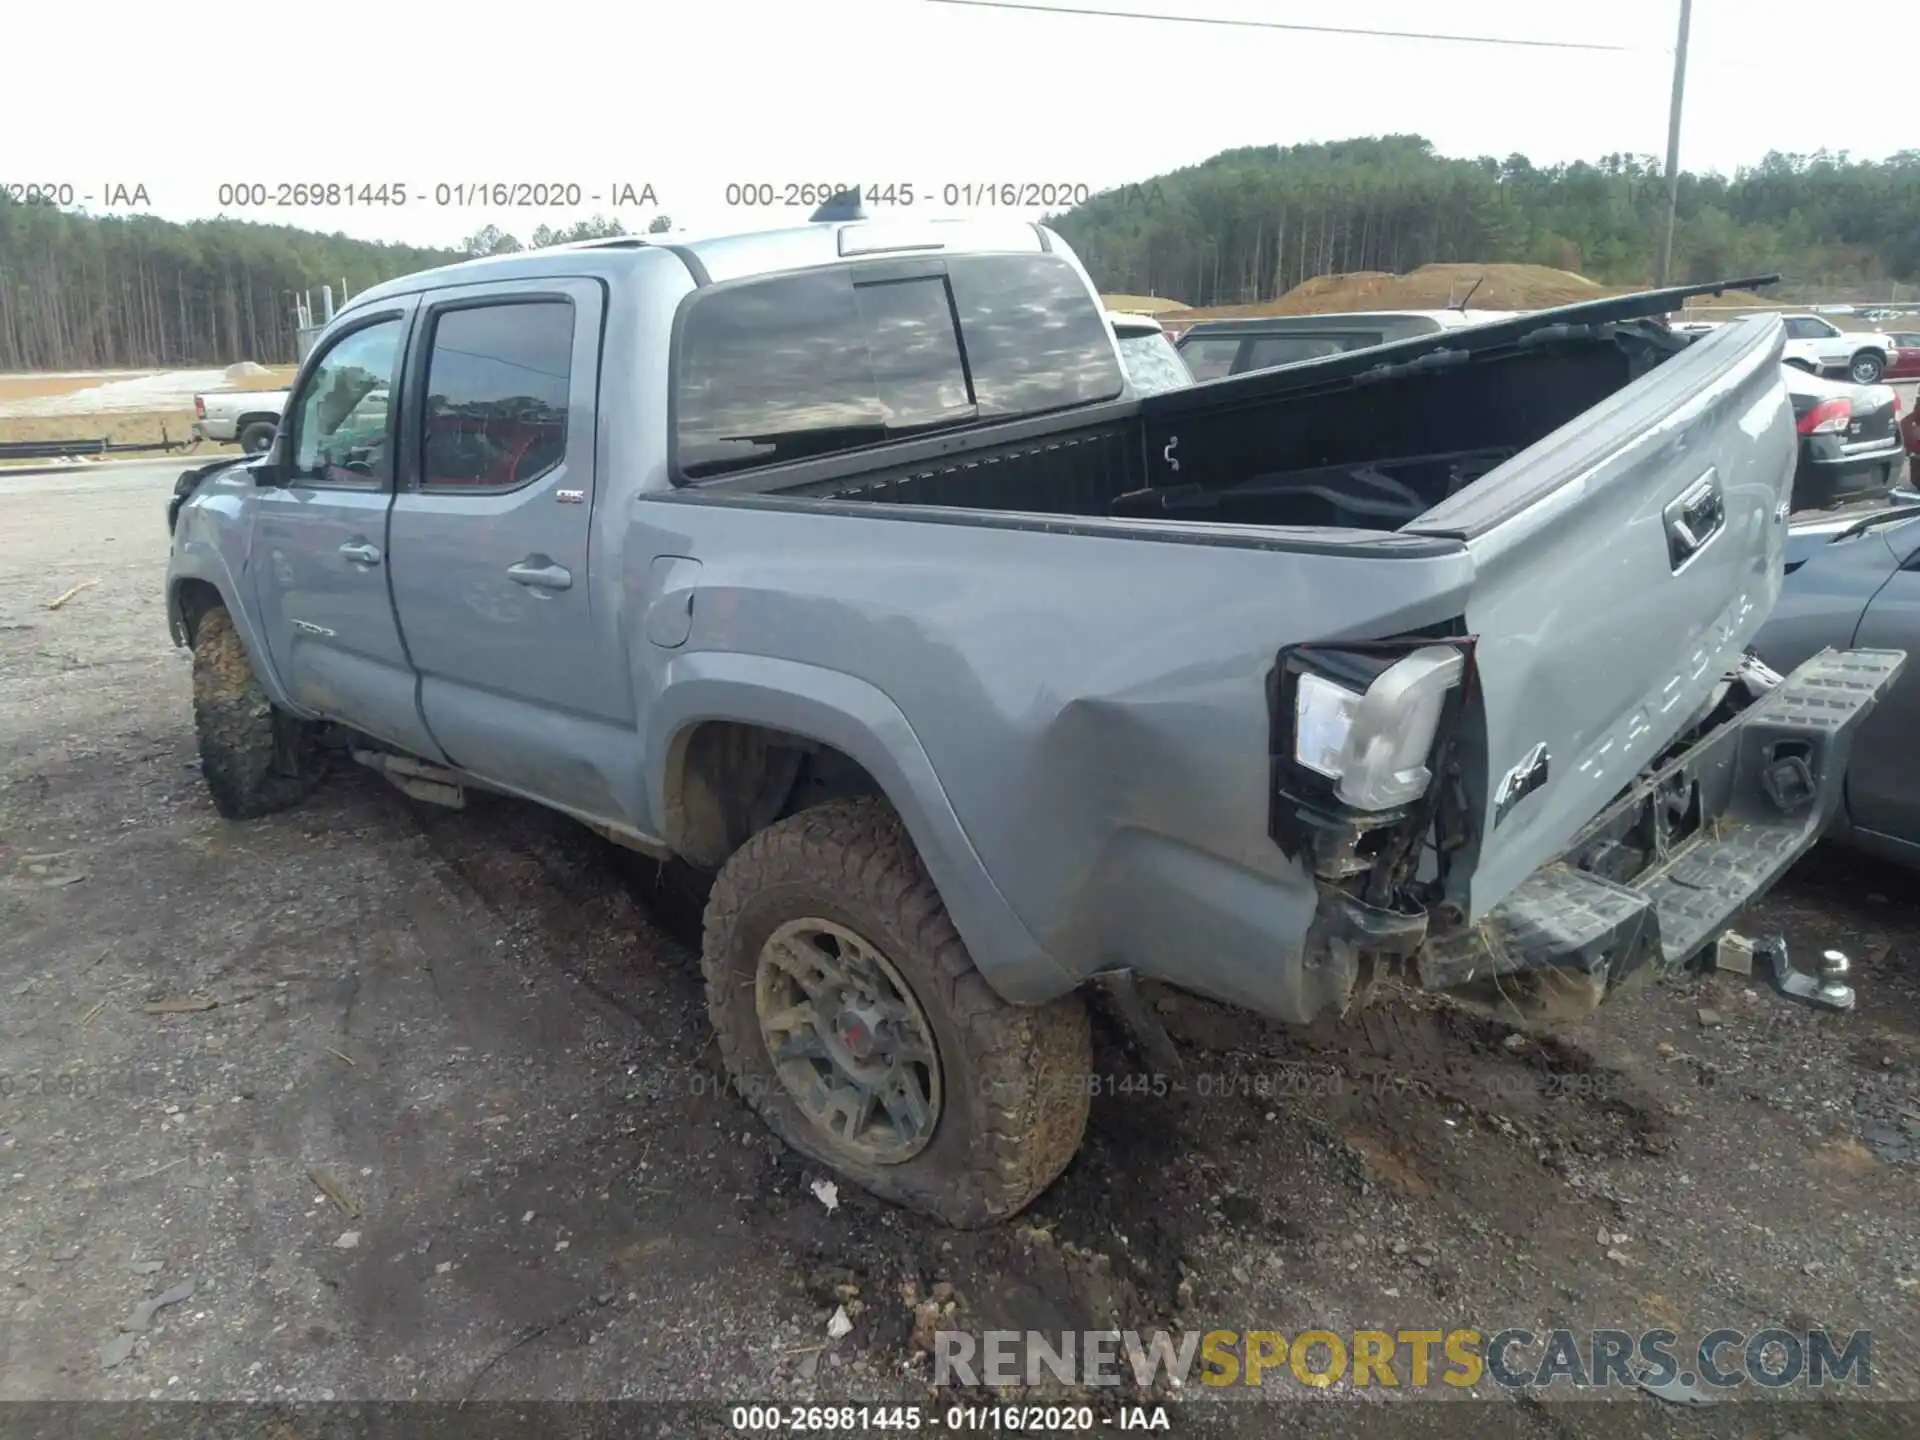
x: 320, y: 537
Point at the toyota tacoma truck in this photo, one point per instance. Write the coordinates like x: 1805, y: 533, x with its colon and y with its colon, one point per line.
x: 844, y: 563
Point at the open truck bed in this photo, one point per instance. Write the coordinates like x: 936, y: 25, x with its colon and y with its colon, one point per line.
x: 1619, y: 490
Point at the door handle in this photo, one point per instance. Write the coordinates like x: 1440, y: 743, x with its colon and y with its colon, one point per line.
x: 361, y: 553
x: 540, y: 577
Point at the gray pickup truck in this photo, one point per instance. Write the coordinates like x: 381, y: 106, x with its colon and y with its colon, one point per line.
x: 844, y: 562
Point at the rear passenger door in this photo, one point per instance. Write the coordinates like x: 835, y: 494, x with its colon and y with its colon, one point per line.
x: 490, y: 540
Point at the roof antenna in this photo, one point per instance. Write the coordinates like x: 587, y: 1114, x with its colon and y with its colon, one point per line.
x: 844, y: 206
x: 1462, y: 306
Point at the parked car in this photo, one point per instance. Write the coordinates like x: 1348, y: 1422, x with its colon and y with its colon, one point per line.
x: 1152, y: 362
x: 1910, y: 428
x: 1851, y: 445
x: 1856, y: 581
x: 1819, y: 346
x: 248, y: 416
x: 1213, y: 348
x: 842, y: 563
x: 1905, y: 365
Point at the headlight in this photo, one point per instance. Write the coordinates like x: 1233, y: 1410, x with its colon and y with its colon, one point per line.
x: 1374, y: 744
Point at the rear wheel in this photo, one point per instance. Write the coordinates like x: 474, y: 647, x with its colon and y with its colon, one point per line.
x: 851, y: 1018
x: 257, y: 437
x: 1867, y: 368
x: 256, y: 758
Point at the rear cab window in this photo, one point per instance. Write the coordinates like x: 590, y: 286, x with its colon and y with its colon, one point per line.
x: 819, y: 362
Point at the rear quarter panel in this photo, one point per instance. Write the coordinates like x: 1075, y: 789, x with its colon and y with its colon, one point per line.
x: 1093, y: 708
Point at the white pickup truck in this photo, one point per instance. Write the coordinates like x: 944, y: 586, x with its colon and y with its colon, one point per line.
x: 248, y: 416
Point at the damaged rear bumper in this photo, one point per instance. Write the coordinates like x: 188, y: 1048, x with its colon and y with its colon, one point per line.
x: 1658, y: 875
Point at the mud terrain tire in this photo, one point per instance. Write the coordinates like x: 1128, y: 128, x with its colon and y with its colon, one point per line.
x: 1013, y: 1079
x: 256, y: 759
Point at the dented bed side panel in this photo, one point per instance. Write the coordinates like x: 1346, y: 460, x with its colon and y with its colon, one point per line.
x: 1098, y: 724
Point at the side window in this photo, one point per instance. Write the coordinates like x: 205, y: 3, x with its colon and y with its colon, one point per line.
x: 1290, y: 349
x: 1210, y: 359
x: 340, y: 419
x: 496, y: 404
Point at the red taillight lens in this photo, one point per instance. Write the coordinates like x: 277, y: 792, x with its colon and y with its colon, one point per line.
x: 1829, y: 417
x: 199, y: 407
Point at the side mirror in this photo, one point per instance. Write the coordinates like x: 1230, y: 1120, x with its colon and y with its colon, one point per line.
x: 269, y: 473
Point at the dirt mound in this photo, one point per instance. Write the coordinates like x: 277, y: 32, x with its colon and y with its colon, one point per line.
x: 1431, y: 287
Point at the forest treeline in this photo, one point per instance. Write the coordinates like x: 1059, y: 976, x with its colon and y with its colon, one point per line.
x: 83, y: 292
x: 1250, y: 224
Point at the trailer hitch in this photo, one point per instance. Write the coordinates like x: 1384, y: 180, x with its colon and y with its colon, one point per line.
x: 1827, y: 991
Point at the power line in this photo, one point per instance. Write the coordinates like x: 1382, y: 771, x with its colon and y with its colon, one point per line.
x: 1284, y: 25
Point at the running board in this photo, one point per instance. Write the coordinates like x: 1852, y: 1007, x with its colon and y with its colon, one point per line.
x: 434, y: 784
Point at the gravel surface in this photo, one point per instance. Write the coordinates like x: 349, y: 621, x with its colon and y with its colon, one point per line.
x: 371, y: 1100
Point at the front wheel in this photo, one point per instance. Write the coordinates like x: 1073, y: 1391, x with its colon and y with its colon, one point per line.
x: 1867, y: 368
x: 851, y: 1018
x: 255, y: 757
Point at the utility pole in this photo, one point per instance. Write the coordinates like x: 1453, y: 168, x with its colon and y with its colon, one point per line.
x: 1673, y: 141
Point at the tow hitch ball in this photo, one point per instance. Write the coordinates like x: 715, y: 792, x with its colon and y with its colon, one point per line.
x: 1742, y: 954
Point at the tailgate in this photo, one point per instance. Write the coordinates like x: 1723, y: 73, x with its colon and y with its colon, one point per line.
x: 1622, y: 565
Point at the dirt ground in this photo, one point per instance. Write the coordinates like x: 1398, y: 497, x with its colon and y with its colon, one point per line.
x: 422, y: 1105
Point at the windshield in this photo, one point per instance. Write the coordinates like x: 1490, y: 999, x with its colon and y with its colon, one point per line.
x: 1153, y: 364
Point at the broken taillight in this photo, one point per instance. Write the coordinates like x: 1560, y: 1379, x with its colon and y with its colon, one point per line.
x: 1829, y: 417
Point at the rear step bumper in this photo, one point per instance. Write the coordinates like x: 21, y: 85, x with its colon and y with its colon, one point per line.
x: 1751, y: 797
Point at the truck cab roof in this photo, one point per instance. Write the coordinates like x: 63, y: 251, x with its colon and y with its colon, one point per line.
x: 722, y: 257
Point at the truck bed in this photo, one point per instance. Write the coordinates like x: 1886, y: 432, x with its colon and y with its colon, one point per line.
x: 1321, y: 444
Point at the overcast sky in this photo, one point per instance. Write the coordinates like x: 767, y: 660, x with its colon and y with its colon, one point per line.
x: 691, y: 98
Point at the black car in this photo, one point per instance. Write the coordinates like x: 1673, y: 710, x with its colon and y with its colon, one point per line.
x: 1850, y: 442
